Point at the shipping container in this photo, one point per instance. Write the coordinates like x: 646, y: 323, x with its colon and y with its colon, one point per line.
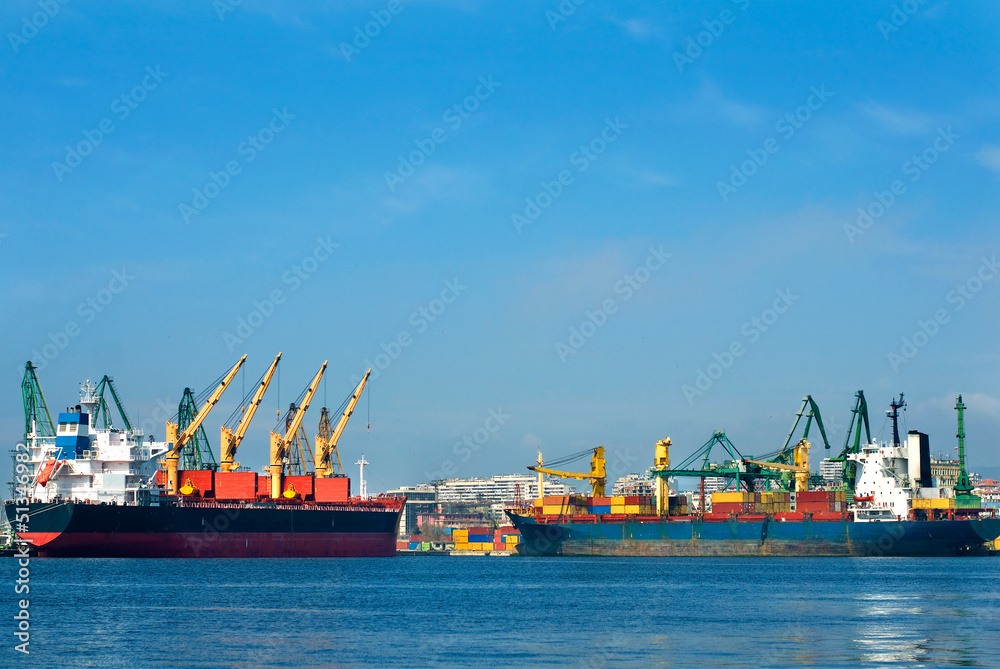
x: 600, y: 509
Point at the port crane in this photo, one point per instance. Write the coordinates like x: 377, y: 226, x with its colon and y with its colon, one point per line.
x: 103, y: 413
x: 229, y: 440
x: 859, y: 417
x: 279, y: 443
x: 800, y: 468
x: 37, y: 419
x: 597, y: 476
x: 326, y: 440
x: 177, y: 441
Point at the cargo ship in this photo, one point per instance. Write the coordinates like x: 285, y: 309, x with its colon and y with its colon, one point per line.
x: 84, y: 488
x: 888, y: 505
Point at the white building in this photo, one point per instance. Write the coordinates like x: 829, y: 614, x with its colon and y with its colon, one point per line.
x: 502, y: 489
x: 634, y: 484
x: 831, y: 471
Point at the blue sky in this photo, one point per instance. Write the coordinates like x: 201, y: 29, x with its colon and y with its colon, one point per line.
x: 481, y: 180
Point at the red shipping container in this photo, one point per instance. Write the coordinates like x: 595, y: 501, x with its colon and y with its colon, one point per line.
x: 235, y: 485
x: 333, y: 489
x: 599, y: 501
x: 203, y: 479
x: 402, y: 545
x: 507, y: 530
x: 481, y: 531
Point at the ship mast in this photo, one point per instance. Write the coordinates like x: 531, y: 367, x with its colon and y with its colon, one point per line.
x: 363, y: 486
x: 894, y: 415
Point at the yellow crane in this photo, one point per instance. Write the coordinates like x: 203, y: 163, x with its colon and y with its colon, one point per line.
x: 597, y: 475
x: 229, y: 439
x: 326, y: 441
x: 173, y: 456
x: 279, y: 443
x: 800, y: 468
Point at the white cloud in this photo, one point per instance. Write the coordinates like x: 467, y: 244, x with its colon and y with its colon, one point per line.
x: 710, y: 100
x: 989, y: 157
x: 899, y: 121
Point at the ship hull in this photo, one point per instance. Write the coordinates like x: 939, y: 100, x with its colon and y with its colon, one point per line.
x: 754, y: 538
x: 70, y: 529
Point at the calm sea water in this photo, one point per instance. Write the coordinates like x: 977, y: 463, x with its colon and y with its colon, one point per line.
x: 512, y: 612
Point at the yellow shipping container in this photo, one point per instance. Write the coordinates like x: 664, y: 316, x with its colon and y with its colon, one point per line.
x: 461, y: 546
x: 941, y: 503
x: 632, y: 509
x: 726, y: 497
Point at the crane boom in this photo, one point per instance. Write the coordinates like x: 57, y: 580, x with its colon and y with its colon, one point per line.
x: 279, y: 443
x: 326, y: 446
x: 230, y: 439
x: 800, y: 468
x: 597, y: 475
x: 173, y: 456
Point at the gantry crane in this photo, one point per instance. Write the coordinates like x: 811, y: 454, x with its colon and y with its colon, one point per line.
x: 279, y: 443
x: 173, y: 457
x: 326, y: 440
x: 597, y: 476
x: 229, y: 440
x: 37, y: 420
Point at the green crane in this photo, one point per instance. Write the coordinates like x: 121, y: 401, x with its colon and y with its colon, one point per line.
x: 37, y: 419
x: 197, y: 452
x: 103, y: 413
x: 859, y: 416
x: 964, y: 499
x: 734, y: 466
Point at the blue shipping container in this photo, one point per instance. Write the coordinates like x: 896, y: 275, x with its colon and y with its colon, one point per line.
x: 414, y: 545
x: 600, y: 509
x: 480, y: 539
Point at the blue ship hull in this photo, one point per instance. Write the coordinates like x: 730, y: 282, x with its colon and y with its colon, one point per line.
x: 755, y: 537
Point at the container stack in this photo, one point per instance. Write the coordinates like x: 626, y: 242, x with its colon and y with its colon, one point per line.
x: 734, y: 502
x: 819, y: 501
x: 561, y: 505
